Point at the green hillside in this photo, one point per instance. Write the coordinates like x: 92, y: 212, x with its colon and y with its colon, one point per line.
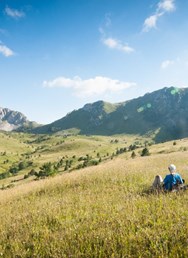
x: 99, y: 211
x: 22, y: 155
x: 164, y: 113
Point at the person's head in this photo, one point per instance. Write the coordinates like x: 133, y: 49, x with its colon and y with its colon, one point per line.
x: 172, y: 168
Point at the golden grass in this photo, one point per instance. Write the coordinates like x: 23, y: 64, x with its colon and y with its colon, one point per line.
x: 103, y: 211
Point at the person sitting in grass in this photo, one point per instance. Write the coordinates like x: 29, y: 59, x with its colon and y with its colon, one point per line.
x: 157, y: 183
x: 173, y: 180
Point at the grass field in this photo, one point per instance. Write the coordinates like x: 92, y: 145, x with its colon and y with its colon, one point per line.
x: 99, y: 211
x: 40, y: 149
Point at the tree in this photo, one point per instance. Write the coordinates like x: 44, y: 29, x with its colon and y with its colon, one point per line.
x: 67, y: 165
x: 145, y: 152
x: 32, y: 172
x: 79, y: 166
x: 14, y: 170
x: 22, y: 165
x: 133, y: 155
x: 132, y: 147
x: 46, y: 170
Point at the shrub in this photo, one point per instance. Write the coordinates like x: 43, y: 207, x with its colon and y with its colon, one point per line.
x: 132, y: 147
x: 46, y: 170
x: 32, y: 172
x: 79, y: 166
x: 94, y: 162
x: 14, y: 169
x: 133, y: 155
x: 145, y: 152
x: 4, y: 175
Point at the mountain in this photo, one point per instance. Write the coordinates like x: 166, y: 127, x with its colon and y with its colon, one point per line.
x: 163, y: 112
x: 13, y: 120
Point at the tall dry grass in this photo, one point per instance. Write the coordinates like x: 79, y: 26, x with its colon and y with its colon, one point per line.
x: 103, y: 211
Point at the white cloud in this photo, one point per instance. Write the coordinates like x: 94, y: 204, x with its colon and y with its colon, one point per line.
x: 87, y: 88
x: 166, y: 5
x: 4, y: 50
x: 14, y: 13
x: 165, y: 64
x: 110, y: 42
x: 116, y: 44
x: 163, y: 7
x: 151, y: 22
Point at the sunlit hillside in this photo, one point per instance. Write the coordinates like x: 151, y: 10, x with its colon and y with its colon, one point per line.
x: 106, y: 210
x: 21, y: 154
x: 93, y: 109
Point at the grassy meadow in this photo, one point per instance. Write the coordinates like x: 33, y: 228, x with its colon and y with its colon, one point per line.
x: 106, y: 210
x: 36, y: 150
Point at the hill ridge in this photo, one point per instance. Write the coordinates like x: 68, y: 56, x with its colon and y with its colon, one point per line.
x: 162, y: 112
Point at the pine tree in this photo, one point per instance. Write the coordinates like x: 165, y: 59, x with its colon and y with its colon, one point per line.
x: 145, y: 152
x: 133, y: 155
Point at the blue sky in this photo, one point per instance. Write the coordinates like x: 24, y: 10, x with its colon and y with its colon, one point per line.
x: 57, y: 55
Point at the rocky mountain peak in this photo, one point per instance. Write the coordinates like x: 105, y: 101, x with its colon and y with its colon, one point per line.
x: 12, y: 120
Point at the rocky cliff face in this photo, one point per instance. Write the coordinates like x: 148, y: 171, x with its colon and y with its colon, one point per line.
x: 13, y: 120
